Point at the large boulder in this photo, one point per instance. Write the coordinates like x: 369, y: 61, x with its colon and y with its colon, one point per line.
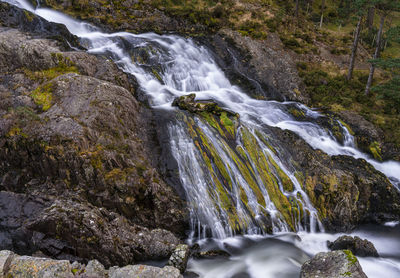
x: 359, y: 247
x: 332, y: 264
x: 78, y: 159
x: 345, y: 191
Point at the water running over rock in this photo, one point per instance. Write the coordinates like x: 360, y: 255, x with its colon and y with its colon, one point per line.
x: 236, y: 177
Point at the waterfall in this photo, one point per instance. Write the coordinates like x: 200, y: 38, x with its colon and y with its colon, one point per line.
x: 235, y: 180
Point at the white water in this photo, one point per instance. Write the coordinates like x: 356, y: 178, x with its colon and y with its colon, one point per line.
x: 186, y: 67
x: 282, y: 255
x: 190, y: 68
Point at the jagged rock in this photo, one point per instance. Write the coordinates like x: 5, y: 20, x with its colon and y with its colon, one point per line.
x: 180, y: 257
x: 359, y: 247
x: 332, y: 264
x: 29, y: 267
x: 144, y: 271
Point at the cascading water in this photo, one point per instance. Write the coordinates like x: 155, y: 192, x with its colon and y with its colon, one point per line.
x: 234, y: 178
x: 229, y: 188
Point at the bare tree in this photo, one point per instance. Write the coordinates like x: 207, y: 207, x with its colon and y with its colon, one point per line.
x: 322, y: 13
x: 354, y: 49
x: 376, y: 54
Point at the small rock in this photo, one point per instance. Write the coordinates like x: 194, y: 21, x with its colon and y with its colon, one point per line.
x: 144, y: 271
x: 96, y: 269
x: 211, y: 254
x: 359, y: 247
x: 180, y: 257
x: 77, y: 268
x: 332, y: 264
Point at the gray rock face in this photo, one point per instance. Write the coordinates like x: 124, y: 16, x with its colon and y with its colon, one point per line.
x: 144, y: 271
x: 263, y: 61
x: 332, y: 264
x: 78, y: 174
x: 359, y: 247
x: 180, y: 257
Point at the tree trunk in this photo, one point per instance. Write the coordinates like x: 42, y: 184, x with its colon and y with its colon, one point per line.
x: 354, y: 49
x: 310, y: 3
x: 376, y: 55
x: 322, y: 13
x: 370, y: 18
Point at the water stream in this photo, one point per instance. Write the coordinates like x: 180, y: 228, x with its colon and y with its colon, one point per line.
x: 235, y: 182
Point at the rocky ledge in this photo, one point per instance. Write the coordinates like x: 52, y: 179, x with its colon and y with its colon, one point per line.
x: 12, y: 265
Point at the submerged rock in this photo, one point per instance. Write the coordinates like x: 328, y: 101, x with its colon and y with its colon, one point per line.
x: 211, y: 254
x: 180, y: 257
x: 359, y: 247
x: 332, y: 264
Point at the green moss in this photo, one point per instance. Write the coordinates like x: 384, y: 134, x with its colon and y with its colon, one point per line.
x: 28, y: 16
x: 16, y: 131
x: 64, y: 65
x: 350, y: 257
x: 43, y: 96
x: 375, y: 150
x: 347, y: 127
x: 297, y: 113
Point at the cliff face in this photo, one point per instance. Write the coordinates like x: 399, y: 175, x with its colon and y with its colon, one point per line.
x: 75, y: 156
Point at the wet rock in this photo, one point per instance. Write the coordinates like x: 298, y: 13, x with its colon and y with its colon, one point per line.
x: 26, y: 21
x: 144, y: 271
x: 211, y: 254
x: 332, y: 264
x: 262, y: 67
x: 358, y: 246
x: 29, y: 267
x: 180, y: 257
x: 345, y: 191
x: 189, y: 103
x: 370, y: 138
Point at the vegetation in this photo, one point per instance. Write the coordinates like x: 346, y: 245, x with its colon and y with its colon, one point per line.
x: 306, y: 27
